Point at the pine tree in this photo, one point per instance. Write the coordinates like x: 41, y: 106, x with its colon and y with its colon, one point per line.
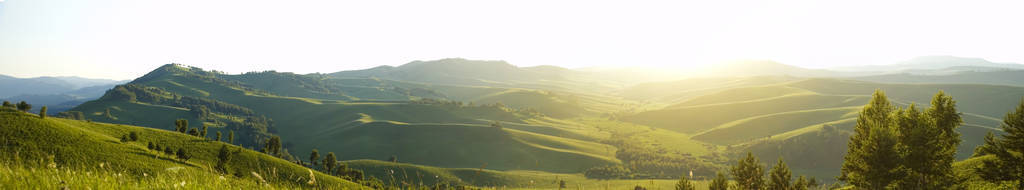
x: 182, y: 125
x: 42, y: 112
x: 871, y: 158
x: 1008, y: 150
x: 719, y: 183
x: 330, y: 162
x: 223, y: 158
x: 944, y: 119
x: 922, y: 150
x: 779, y: 177
x: 800, y: 183
x: 202, y: 133
x: 218, y: 135
x: 273, y: 146
x: 231, y: 137
x: 748, y: 173
x: 989, y: 147
x: 684, y: 184
x: 313, y: 158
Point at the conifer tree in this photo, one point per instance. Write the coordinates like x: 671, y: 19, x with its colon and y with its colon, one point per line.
x: 719, y: 183
x: 938, y: 168
x: 218, y: 135
x: 801, y: 183
x: 273, y: 146
x: 1008, y: 150
x: 193, y: 132
x: 748, y: 173
x: 779, y: 177
x: 42, y: 112
x: 684, y: 184
x: 926, y: 161
x: 313, y: 158
x: 871, y: 159
x: 330, y: 161
x: 150, y: 146
x: 182, y: 125
x: 989, y: 147
x: 223, y: 158
x: 231, y: 137
x: 202, y: 133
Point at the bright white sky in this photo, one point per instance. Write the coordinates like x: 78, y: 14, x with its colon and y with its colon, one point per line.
x: 123, y: 39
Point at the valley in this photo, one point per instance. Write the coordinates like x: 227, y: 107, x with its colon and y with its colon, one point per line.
x: 528, y: 127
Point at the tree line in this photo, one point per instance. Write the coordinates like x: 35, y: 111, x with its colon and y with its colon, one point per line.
x: 897, y: 147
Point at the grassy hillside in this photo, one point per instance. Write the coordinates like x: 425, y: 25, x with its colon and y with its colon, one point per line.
x: 665, y: 93
x: 780, y: 108
x: 1003, y: 77
x: 518, y: 179
x: 694, y: 119
x: 787, y: 119
x: 80, y: 147
x: 438, y: 133
x: 766, y: 126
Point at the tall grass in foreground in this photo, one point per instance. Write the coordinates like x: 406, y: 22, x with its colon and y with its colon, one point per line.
x: 16, y: 176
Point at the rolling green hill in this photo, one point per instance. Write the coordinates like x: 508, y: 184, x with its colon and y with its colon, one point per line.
x: 788, y: 119
x: 517, y: 179
x: 763, y: 111
x: 425, y: 131
x: 82, y: 147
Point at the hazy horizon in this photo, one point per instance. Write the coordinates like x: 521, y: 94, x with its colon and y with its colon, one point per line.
x: 121, y: 40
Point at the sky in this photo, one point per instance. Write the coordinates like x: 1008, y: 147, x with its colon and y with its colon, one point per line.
x: 124, y: 39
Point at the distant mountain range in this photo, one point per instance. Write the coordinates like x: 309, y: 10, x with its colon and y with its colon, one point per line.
x: 58, y: 93
x: 934, y: 63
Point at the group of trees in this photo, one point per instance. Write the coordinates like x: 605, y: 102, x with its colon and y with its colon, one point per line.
x: 641, y: 161
x: 132, y: 136
x: 181, y: 126
x: 332, y: 166
x: 180, y: 154
x: 903, y: 148
x: 24, y: 107
x: 1008, y: 150
x: 749, y: 174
